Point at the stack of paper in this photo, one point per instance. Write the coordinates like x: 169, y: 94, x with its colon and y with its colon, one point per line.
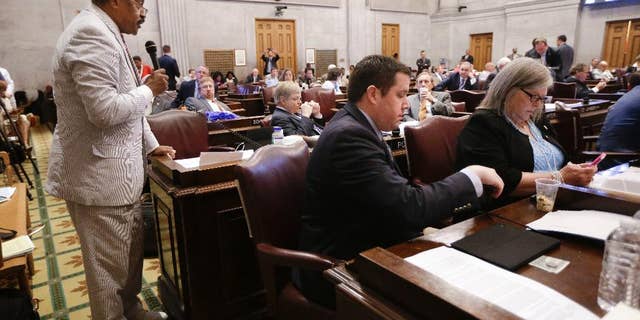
x: 519, y: 295
x: 587, y: 223
x: 16, y: 247
x: 627, y: 181
x: 6, y: 193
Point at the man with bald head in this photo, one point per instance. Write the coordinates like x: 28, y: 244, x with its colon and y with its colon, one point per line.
x: 190, y: 88
x: 254, y: 76
x: 460, y: 80
x: 99, y: 151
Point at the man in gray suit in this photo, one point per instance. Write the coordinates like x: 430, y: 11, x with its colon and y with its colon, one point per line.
x: 99, y: 151
x: 436, y: 103
x: 566, y: 55
x: 207, y: 100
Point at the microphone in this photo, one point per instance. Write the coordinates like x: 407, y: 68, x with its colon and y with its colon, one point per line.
x: 151, y: 48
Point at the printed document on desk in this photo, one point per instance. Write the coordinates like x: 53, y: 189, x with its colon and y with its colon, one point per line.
x: 6, y: 193
x: 17, y: 247
x: 519, y: 295
x: 587, y: 223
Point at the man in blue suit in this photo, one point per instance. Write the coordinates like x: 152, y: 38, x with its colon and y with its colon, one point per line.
x: 190, y: 88
x: 170, y: 66
x: 458, y: 80
x: 621, y: 128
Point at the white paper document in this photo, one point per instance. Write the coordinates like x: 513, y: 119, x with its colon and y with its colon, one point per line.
x: 519, y: 295
x: 626, y: 181
x: 587, y: 223
x: 6, y: 193
x: 17, y: 247
x: 209, y: 158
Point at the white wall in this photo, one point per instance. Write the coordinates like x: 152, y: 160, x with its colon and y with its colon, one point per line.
x: 352, y: 27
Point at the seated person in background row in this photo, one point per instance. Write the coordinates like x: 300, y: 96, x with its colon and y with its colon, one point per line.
x: 271, y: 80
x: 207, y: 100
x: 22, y: 123
x: 307, y: 80
x: 190, y: 88
x: 578, y: 75
x: 489, y: 68
x: 435, y: 103
x: 287, y: 75
x: 602, y: 72
x: 332, y: 82
x: 460, y: 80
x: 355, y: 196
x: 231, y: 78
x: 439, y: 74
x: 292, y: 115
x: 502, y: 62
x: 508, y: 132
x: 254, y: 76
x: 143, y: 69
x: 621, y: 129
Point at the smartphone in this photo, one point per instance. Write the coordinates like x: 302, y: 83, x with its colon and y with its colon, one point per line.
x: 598, y: 159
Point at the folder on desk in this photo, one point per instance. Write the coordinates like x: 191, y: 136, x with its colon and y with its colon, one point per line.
x: 506, y: 246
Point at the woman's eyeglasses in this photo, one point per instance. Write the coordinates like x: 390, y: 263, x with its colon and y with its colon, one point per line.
x: 535, y: 99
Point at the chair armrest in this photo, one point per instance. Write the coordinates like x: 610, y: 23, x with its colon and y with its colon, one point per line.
x: 220, y: 148
x: 292, y: 258
x: 590, y: 138
x: 240, y: 112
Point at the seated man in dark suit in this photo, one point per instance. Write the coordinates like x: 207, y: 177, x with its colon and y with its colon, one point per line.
x: 621, y: 128
x: 254, y: 76
x: 435, y: 103
x: 458, y: 80
x: 355, y: 196
x: 292, y: 115
x: 207, y: 100
x: 578, y: 75
x: 190, y: 88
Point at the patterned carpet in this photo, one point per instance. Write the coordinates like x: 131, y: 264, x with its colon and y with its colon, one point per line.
x: 59, y: 274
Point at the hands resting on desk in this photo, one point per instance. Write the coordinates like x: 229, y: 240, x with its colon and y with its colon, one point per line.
x: 488, y: 177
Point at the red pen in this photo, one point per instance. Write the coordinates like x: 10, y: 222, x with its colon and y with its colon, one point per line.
x: 598, y: 159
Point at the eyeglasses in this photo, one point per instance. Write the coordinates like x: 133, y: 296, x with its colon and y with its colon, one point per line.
x: 141, y: 7
x: 535, y: 99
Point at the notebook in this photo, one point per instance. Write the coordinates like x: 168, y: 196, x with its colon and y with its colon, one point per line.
x: 506, y: 246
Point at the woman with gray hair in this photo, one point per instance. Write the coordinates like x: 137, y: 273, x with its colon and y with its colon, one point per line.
x: 293, y: 116
x: 508, y: 132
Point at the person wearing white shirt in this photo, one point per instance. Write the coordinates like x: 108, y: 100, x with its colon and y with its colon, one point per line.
x: 601, y: 72
x: 207, y: 100
x: 332, y: 81
x: 8, y: 93
x: 271, y: 80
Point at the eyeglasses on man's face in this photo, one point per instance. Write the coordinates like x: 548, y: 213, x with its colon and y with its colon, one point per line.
x: 140, y: 7
x: 534, y: 98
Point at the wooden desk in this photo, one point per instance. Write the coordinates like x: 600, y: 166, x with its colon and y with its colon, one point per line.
x: 207, y: 260
x: 220, y: 135
x: 379, y: 284
x: 14, y: 215
x: 252, y: 103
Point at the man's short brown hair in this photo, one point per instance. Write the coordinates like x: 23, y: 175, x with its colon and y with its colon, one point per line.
x: 376, y: 70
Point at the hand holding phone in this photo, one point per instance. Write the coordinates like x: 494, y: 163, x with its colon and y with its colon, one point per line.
x: 598, y: 159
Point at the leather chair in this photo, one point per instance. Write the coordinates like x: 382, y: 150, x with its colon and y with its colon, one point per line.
x: 459, y: 106
x: 185, y: 131
x: 267, y: 98
x: 565, y: 90
x: 326, y: 99
x: 471, y: 99
x: 431, y: 148
x: 271, y: 185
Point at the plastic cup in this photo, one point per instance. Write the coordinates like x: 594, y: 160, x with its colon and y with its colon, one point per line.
x: 546, y: 190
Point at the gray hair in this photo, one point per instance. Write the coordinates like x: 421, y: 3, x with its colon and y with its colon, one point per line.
x: 523, y: 73
x: 502, y: 62
x: 285, y: 89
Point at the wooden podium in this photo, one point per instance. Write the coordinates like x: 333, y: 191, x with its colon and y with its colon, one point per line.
x: 208, y: 266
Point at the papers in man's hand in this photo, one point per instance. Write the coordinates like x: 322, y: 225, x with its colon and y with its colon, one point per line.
x: 627, y: 181
x: 17, y: 247
x: 586, y: 223
x: 6, y: 193
x: 519, y: 295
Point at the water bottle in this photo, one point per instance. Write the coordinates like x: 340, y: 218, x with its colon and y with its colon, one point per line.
x: 277, y: 137
x: 620, y: 276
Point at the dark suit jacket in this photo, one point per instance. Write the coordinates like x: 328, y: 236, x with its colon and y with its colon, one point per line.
x: 553, y: 59
x: 422, y: 65
x: 202, y: 105
x: 621, y: 128
x: 565, y: 52
x: 356, y: 197
x: 171, y: 67
x: 274, y: 62
x: 453, y: 82
x: 291, y: 124
x: 187, y: 89
x: 581, y: 88
x: 489, y: 140
x: 250, y: 79
x: 442, y: 106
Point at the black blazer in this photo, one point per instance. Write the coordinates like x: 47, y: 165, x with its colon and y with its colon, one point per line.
x: 250, y: 79
x: 356, y: 197
x: 274, y: 62
x: 581, y: 88
x: 489, y: 140
x: 553, y: 59
x: 171, y: 68
x: 291, y: 124
x: 187, y: 89
x: 453, y: 82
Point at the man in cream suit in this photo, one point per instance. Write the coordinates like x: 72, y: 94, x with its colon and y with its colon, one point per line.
x: 437, y: 103
x: 99, y: 150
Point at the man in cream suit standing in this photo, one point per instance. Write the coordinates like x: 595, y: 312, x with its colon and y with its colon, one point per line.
x: 99, y: 150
